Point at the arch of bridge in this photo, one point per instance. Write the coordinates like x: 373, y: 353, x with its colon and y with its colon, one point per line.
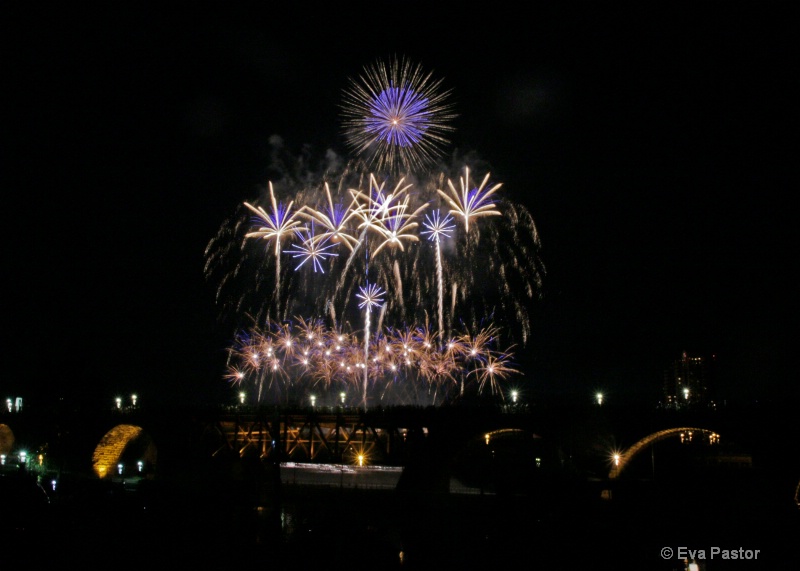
x: 6, y: 439
x: 113, y: 445
x: 626, y: 456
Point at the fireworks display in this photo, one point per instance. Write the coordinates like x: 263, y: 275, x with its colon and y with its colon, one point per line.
x: 386, y: 288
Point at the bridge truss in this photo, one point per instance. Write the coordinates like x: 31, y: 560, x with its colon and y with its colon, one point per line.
x: 320, y: 437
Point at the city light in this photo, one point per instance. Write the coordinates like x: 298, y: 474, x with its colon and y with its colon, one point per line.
x: 118, y: 400
x: 514, y: 395
x: 119, y: 468
x: 133, y: 399
x: 599, y: 398
x: 241, y: 398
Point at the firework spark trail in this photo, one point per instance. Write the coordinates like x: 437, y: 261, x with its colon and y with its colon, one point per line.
x: 398, y: 283
x: 370, y: 296
x: 435, y: 228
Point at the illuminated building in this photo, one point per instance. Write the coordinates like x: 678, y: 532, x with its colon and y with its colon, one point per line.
x: 688, y: 381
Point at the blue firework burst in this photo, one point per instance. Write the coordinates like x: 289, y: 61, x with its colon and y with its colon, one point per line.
x: 396, y: 117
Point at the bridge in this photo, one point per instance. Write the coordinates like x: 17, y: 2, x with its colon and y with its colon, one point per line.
x: 165, y: 442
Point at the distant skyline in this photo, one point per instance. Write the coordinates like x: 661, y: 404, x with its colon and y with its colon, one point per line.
x: 647, y: 145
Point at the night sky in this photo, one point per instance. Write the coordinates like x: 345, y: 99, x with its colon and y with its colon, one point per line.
x: 653, y: 147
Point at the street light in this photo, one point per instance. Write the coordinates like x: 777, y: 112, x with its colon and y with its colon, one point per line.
x: 241, y: 398
x: 133, y: 399
x: 342, y: 396
x: 118, y: 400
x: 599, y: 398
x: 313, y: 401
x: 514, y: 395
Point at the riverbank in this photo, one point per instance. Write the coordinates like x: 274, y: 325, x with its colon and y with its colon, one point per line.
x: 247, y: 516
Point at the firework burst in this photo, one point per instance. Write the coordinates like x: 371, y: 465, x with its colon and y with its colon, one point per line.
x: 396, y: 117
x: 335, y: 219
x: 471, y: 202
x: 312, y: 249
x: 272, y: 228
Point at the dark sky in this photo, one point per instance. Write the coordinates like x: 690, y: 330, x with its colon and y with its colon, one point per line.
x: 653, y: 146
